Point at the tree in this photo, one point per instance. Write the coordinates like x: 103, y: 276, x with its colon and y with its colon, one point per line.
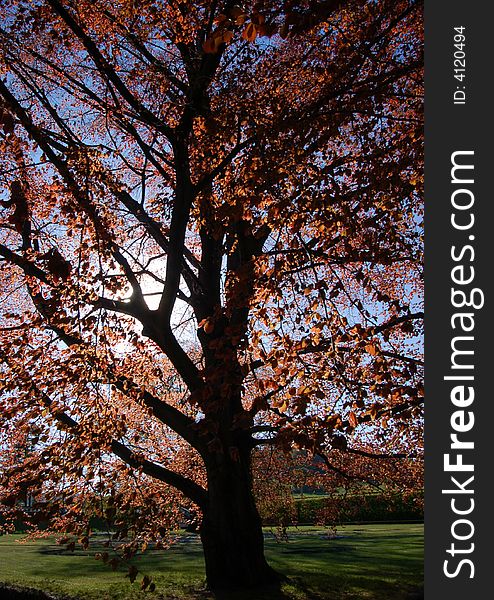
x: 210, y: 241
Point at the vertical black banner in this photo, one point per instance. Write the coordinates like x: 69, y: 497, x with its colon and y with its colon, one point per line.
x: 459, y: 209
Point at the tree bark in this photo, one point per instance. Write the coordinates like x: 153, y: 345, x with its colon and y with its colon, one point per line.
x: 231, y: 529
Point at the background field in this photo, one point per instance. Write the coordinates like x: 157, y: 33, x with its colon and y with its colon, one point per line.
x: 372, y: 562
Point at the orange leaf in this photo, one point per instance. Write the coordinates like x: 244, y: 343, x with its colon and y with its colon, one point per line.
x: 284, y: 31
x: 238, y: 15
x: 352, y: 419
x: 250, y: 32
x: 132, y: 574
x: 209, y: 46
x: 146, y: 580
x: 371, y: 349
x: 208, y: 326
x: 220, y: 19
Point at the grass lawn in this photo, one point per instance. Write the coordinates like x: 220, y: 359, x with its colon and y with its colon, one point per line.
x: 372, y: 562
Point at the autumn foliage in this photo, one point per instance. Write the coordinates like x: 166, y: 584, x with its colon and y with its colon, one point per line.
x: 210, y: 242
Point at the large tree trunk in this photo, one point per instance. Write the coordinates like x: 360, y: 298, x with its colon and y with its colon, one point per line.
x: 231, y: 530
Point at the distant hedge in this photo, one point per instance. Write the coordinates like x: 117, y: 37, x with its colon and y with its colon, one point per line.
x: 370, y: 507
x: 315, y: 510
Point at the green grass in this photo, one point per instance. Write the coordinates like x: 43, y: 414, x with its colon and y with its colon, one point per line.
x: 371, y: 562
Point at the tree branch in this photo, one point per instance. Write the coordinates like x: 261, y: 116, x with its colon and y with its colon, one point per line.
x: 109, y: 73
x: 191, y: 489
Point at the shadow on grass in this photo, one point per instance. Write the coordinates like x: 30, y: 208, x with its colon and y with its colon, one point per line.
x: 370, y: 564
x: 271, y: 592
x: 13, y: 592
